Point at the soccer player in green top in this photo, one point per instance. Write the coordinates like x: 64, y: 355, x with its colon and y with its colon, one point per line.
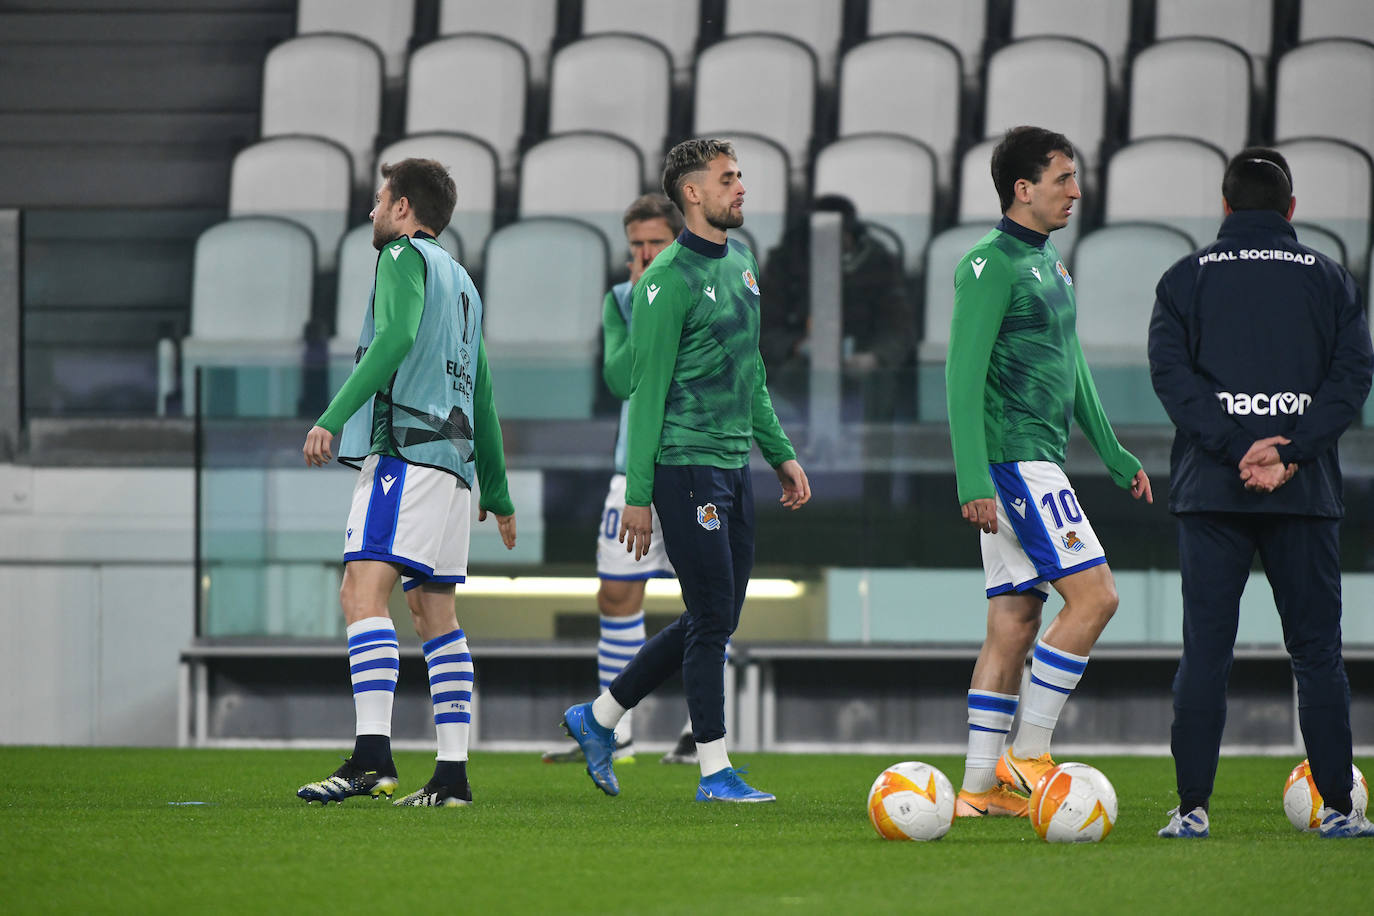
x: 698, y: 401
x: 416, y: 415
x: 1015, y: 379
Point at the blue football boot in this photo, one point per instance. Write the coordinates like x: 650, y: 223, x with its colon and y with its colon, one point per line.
x: 597, y: 743
x: 726, y: 786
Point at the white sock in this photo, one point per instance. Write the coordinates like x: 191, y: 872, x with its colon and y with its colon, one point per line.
x: 606, y: 711
x: 374, y: 662
x: 450, y: 689
x: 621, y: 638
x: 1054, y: 675
x: 989, y: 720
x: 712, y: 756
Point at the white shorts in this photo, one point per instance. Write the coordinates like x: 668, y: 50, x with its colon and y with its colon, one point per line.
x: 1042, y: 532
x: 613, y: 561
x: 416, y: 517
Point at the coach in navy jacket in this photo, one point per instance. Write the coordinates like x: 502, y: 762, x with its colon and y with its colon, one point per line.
x: 1260, y: 353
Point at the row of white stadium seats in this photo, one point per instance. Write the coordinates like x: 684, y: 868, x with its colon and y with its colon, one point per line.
x: 891, y: 180
x: 818, y: 24
x: 331, y: 86
x: 254, y: 275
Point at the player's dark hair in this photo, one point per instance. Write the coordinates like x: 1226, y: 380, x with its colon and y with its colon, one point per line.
x: 654, y: 206
x: 1024, y: 153
x: 429, y: 188
x: 1258, y: 178
x: 687, y: 157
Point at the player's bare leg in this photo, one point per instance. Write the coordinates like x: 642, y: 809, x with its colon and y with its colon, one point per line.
x: 1058, y: 662
x: 374, y: 658
x: 450, y: 677
x: 1013, y: 621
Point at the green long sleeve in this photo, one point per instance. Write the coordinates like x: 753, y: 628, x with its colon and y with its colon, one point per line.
x: 488, y: 445
x: 1092, y: 419
x: 981, y: 301
x: 773, y: 442
x: 397, y: 306
x: 618, y: 358
x: 655, y: 335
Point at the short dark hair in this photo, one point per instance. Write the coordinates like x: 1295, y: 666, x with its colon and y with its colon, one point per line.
x: 429, y: 188
x: 1024, y: 152
x: 1258, y: 178
x: 687, y: 157
x: 654, y: 206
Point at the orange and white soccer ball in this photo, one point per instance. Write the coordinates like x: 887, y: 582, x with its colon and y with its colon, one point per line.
x: 1302, y: 801
x: 911, y: 801
x: 1073, y: 803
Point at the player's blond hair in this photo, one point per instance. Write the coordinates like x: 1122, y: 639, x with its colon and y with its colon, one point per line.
x: 687, y: 157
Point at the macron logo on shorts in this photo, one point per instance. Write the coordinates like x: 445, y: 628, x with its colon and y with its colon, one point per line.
x: 1019, y: 504
x: 387, y: 481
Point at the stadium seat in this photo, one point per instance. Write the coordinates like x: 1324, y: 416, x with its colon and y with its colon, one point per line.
x: 251, y: 287
x: 1115, y: 271
x: 618, y: 84
x: 1335, y: 19
x: 762, y: 84
x: 818, y: 24
x: 672, y: 23
x: 1322, y: 89
x: 357, y: 269
x: 303, y: 179
x: 765, y: 169
x: 496, y: 114
x: 472, y: 164
x: 1248, y: 24
x: 328, y: 86
x: 542, y: 326
x: 942, y: 257
x: 1192, y: 87
x: 978, y: 202
x: 962, y: 25
x: 386, y: 23
x: 1170, y: 180
x: 1104, y: 24
x: 890, y: 179
x: 1018, y: 75
x: 1324, y: 241
x: 556, y: 180
x: 927, y: 107
x: 1334, y: 184
x: 530, y: 24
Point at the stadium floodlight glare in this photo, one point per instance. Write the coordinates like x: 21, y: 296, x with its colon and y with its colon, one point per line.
x: 586, y: 586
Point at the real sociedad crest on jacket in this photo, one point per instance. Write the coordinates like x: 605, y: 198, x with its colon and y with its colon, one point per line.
x: 749, y: 281
x: 1059, y: 266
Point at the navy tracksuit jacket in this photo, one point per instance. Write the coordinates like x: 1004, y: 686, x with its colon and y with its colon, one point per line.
x: 1255, y: 336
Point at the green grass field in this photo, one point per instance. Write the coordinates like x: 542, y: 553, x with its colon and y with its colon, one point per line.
x: 100, y: 830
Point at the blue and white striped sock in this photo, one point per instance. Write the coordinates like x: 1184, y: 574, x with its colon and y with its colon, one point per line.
x: 989, y: 719
x: 450, y: 687
x: 374, y: 662
x: 621, y: 638
x: 1054, y: 675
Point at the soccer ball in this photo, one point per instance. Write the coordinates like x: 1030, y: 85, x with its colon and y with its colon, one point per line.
x: 911, y: 801
x: 1073, y: 803
x: 1302, y: 802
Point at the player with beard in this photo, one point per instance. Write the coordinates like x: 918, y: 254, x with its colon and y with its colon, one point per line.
x: 698, y: 402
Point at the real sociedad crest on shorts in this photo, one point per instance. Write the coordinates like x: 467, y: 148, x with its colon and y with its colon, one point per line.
x: 1059, y: 266
x: 749, y: 281
x: 706, y: 515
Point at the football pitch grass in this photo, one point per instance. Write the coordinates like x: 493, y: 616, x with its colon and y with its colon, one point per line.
x: 221, y: 831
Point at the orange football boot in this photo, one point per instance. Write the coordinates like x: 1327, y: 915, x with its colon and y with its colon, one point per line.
x: 1021, y: 774
x: 999, y: 801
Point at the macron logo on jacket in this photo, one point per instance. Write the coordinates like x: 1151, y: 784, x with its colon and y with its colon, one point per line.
x: 1285, y: 402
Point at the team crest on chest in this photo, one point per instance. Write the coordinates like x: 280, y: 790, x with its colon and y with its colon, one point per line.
x: 749, y: 281
x: 1063, y: 272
